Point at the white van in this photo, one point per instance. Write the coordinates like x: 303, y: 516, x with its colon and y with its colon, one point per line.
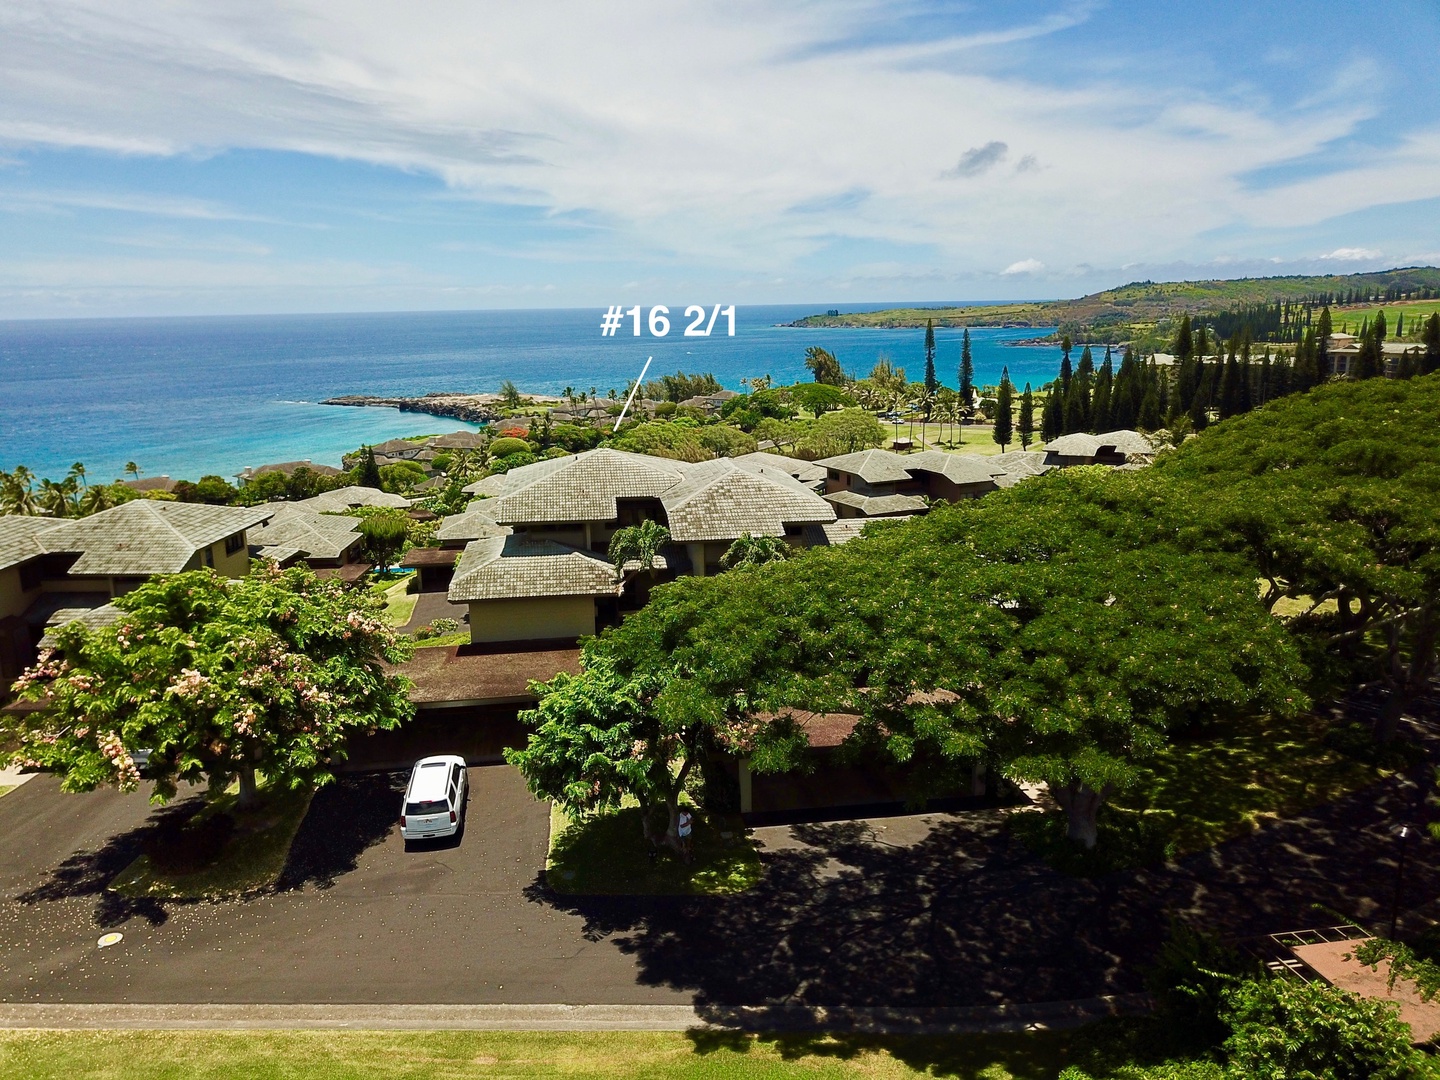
x: 435, y: 799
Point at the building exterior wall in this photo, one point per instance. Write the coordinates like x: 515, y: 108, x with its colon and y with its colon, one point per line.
x: 940, y: 487
x: 542, y: 618
x: 14, y: 599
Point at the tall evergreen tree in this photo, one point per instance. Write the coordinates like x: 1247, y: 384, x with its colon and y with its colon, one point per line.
x: 1052, y: 419
x: 1025, y: 427
x: 931, y: 383
x: 1150, y: 411
x: 1100, y: 400
x: 1184, y: 340
x: 1432, y: 344
x: 1073, y: 419
x: 1380, y: 327
x: 368, y: 475
x: 967, y: 373
x: 1004, y: 431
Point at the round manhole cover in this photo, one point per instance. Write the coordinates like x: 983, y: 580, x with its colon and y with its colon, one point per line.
x: 106, y: 940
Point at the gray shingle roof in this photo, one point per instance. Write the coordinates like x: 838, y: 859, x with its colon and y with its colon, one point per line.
x: 459, y: 440
x: 286, y: 467
x: 320, y: 536
x: 18, y: 541
x: 471, y: 525
x: 878, y: 505
x: 872, y: 466
x: 490, y: 485
x: 719, y: 500
x: 90, y: 618
x: 145, y: 537
x: 805, y: 471
x: 506, y: 567
x: 957, y: 468
x: 342, y: 499
x: 841, y: 531
x: 1020, y: 465
x: 580, y: 487
x: 1082, y: 444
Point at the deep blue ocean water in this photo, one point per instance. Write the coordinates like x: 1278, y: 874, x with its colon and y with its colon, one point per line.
x: 189, y: 396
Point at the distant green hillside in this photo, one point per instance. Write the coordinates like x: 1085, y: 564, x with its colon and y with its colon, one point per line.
x: 1144, y: 310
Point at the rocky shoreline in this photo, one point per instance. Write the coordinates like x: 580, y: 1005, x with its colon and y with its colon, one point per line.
x: 472, y: 408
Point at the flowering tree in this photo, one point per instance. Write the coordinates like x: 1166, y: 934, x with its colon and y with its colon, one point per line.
x: 218, y: 679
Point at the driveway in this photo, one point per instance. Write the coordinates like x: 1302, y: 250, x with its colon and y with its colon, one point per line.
x: 933, y: 910
x: 361, y: 919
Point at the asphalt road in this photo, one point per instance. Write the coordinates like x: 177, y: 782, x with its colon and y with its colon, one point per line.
x: 364, y: 920
x: 935, y: 910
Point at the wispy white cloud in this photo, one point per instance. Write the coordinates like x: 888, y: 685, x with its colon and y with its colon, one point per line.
x: 741, y: 143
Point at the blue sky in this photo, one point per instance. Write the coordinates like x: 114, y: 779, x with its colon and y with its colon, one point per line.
x: 162, y: 157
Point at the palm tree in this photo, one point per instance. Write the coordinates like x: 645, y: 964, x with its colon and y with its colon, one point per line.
x: 639, y: 544
x: 96, y: 499
x: 750, y: 550
x: 133, y: 470
x: 56, y: 498
x: 17, y: 494
x: 77, y: 472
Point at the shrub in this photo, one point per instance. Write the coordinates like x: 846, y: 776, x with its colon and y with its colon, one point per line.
x: 1189, y: 980
x: 512, y: 461
x: 445, y: 626
x: 1284, y: 1028
x: 508, y: 445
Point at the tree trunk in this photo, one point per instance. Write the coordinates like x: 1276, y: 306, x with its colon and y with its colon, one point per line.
x: 1081, y: 805
x: 247, y: 786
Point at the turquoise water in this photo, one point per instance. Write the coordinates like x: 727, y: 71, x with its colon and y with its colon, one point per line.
x: 188, y: 396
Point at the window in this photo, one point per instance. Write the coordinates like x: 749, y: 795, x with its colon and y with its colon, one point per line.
x: 207, y: 557
x: 234, y: 543
x: 455, y: 776
x: 426, y: 806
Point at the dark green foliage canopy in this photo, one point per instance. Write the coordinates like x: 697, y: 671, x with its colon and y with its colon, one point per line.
x: 1334, y: 496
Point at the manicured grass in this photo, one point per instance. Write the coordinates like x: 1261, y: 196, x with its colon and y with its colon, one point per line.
x: 444, y: 641
x: 976, y: 437
x: 608, y: 854
x: 5, y: 789
x: 450, y: 1055
x: 1416, y: 312
x: 250, y: 859
x: 1199, y: 792
x: 399, y: 601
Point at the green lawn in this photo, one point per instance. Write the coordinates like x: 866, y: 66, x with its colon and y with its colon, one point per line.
x: 399, y: 601
x: 1415, y: 312
x: 976, y: 437
x: 607, y: 854
x: 444, y: 641
x: 1199, y: 792
x: 5, y: 789
x: 334, y: 1055
x: 251, y: 858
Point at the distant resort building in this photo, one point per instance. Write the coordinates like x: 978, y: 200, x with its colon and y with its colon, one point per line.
x: 287, y: 468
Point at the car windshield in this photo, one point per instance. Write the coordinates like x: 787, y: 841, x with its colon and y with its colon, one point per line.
x: 427, y: 806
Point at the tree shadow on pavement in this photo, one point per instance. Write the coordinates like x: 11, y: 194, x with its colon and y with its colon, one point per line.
x: 89, y: 873
x: 346, y: 818
x: 967, y: 916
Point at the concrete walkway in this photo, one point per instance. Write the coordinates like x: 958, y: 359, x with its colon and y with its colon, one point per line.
x: 13, y: 777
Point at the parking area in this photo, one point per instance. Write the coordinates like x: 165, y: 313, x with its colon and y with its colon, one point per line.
x: 361, y: 918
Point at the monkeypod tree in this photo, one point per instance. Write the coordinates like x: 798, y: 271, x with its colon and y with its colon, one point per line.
x: 217, y: 679
x: 1054, y: 629
x: 1334, y: 497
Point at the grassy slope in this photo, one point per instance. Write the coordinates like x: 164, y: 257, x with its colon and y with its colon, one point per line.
x: 330, y: 1055
x: 1138, y: 305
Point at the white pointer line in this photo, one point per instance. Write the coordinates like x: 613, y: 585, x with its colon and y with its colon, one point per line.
x: 633, y: 391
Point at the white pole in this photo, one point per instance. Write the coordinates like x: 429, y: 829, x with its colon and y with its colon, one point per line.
x: 633, y: 391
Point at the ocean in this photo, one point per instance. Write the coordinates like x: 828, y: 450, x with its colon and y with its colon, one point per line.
x: 186, y: 397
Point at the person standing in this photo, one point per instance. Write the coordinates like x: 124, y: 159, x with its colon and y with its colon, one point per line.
x: 684, y: 827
